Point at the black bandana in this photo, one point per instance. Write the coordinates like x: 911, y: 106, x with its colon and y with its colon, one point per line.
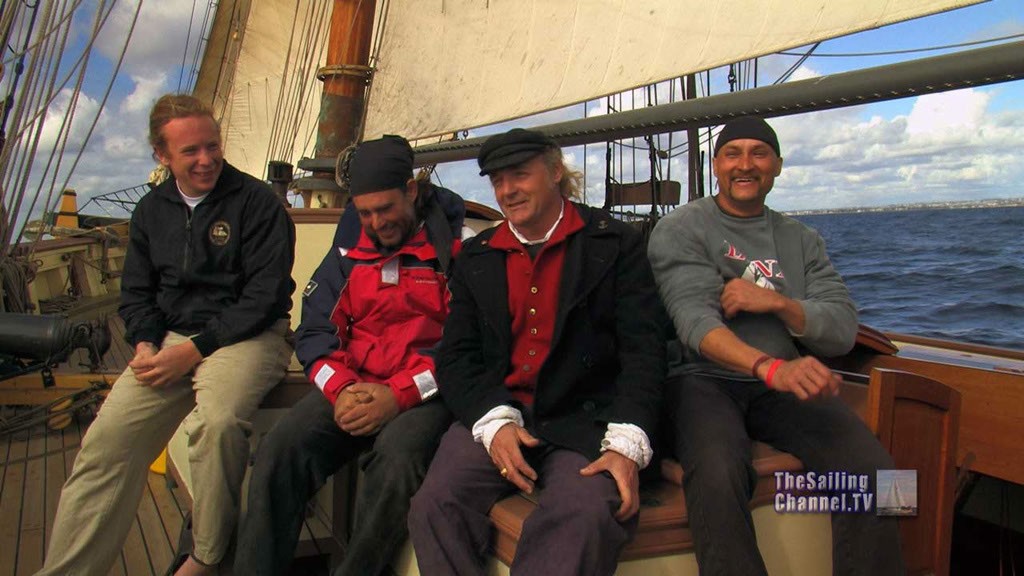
x: 382, y: 164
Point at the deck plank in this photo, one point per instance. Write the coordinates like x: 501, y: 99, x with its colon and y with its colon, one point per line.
x: 171, y: 513
x: 118, y: 568
x: 34, y: 465
x: 154, y: 534
x: 10, y: 501
x: 33, y: 507
x: 59, y: 467
x: 136, y: 557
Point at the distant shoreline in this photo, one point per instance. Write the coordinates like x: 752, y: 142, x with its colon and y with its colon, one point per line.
x: 962, y: 204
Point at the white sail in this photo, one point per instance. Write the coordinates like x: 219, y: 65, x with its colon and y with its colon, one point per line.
x: 448, y: 65
x: 895, y: 497
x: 259, y: 71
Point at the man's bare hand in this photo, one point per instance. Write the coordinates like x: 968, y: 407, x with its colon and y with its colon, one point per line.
x: 165, y: 366
x: 347, y: 400
x: 373, y: 406
x: 806, y: 377
x: 507, y: 455
x: 627, y: 477
x: 741, y: 295
x: 143, y: 351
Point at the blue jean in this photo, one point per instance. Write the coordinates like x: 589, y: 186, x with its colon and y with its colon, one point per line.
x: 295, y: 459
x: 573, y: 530
x: 714, y: 420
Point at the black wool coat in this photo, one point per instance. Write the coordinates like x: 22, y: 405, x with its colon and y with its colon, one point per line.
x: 607, y: 358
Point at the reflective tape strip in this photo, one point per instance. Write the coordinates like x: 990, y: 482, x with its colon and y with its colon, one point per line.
x: 323, y: 375
x: 425, y: 383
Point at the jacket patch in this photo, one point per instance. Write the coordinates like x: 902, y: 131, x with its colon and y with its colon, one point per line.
x: 220, y: 233
x: 309, y: 288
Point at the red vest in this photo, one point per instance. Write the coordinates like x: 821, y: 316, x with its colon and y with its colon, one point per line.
x: 533, y: 300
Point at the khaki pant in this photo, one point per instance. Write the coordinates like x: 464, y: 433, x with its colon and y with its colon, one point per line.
x: 100, y: 499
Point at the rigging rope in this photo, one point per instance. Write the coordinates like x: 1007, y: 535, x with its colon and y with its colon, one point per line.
x: 11, y: 147
x: 63, y: 133
x: 65, y: 128
x: 276, y: 120
x: 188, y: 38
x: 193, y: 74
x: 57, y: 26
x: 103, y: 102
x: 908, y: 50
x: 803, y: 58
x: 292, y: 101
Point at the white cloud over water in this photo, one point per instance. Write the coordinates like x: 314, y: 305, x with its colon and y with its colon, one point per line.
x: 951, y: 146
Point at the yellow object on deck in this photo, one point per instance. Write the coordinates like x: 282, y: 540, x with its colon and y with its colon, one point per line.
x: 68, y: 215
x: 159, y: 466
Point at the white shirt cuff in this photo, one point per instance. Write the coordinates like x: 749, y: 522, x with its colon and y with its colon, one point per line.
x: 487, y: 426
x: 630, y: 441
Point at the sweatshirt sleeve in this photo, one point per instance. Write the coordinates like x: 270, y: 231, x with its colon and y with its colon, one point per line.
x: 320, y: 342
x: 830, y: 327
x: 688, y: 282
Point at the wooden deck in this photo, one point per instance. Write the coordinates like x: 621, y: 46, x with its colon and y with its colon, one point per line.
x: 34, y: 464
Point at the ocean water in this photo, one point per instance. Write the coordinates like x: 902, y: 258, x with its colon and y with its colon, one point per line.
x: 953, y: 274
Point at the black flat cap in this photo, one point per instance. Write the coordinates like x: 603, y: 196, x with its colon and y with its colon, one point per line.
x: 513, y: 147
x: 751, y: 127
x: 382, y: 164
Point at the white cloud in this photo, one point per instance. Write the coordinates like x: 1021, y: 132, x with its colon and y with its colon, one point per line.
x: 147, y: 89
x: 947, y: 115
x: 949, y: 147
x: 158, y: 39
x: 55, y: 126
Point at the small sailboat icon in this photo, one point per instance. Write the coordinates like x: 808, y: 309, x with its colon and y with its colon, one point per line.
x: 895, y: 503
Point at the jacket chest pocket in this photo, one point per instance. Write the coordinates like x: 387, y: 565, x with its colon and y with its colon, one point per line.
x: 424, y: 291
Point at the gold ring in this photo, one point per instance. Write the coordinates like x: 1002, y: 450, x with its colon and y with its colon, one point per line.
x: 504, y: 472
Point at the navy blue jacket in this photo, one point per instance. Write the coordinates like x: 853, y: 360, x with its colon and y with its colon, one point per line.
x: 222, y: 272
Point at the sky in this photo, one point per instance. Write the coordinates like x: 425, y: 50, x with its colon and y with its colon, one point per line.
x: 967, y: 144
x: 958, y: 145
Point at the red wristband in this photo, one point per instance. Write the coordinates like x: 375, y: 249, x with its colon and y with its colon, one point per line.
x: 771, y: 372
x: 761, y: 360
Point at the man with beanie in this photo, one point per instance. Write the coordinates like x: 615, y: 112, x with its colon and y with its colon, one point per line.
x: 371, y: 315
x: 753, y: 294
x: 552, y: 362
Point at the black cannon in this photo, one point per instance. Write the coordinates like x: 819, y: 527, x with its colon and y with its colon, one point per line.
x: 29, y: 342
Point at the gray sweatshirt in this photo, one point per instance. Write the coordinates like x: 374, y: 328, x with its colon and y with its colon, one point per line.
x: 698, y: 248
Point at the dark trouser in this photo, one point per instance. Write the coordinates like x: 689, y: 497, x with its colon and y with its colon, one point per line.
x: 298, y: 455
x: 572, y: 531
x: 714, y: 421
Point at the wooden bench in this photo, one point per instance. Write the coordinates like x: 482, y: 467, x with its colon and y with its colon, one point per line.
x: 664, y: 528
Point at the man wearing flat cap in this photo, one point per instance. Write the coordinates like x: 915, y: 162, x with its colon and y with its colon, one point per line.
x: 371, y: 316
x: 754, y: 298
x: 552, y: 362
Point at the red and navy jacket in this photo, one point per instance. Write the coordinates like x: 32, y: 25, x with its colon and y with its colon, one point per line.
x: 369, y: 317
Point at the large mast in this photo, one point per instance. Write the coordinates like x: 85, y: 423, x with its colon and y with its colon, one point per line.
x: 345, y: 76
